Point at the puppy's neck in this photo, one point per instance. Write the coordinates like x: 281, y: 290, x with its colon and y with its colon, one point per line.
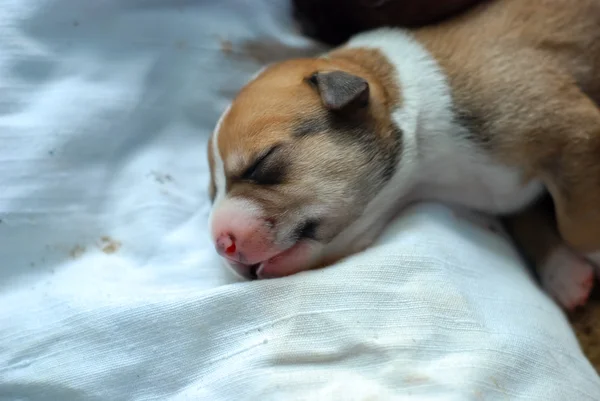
x: 425, y: 114
x: 425, y: 117
x: 426, y: 109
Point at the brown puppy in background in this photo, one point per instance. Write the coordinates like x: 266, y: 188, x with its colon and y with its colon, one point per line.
x: 335, y: 21
x: 490, y: 110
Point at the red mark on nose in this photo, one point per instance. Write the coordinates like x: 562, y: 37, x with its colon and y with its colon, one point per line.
x: 226, y: 244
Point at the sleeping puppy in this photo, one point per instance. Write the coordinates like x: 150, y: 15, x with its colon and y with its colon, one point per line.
x: 491, y: 110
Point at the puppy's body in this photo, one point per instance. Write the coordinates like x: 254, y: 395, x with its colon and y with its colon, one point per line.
x: 439, y: 160
x: 447, y: 163
x: 486, y: 111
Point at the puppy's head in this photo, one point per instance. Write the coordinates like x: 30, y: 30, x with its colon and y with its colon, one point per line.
x: 301, y: 151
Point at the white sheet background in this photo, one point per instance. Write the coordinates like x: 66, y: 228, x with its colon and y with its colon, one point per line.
x: 110, y: 289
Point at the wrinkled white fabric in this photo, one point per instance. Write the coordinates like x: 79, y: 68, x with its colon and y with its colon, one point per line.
x: 109, y: 286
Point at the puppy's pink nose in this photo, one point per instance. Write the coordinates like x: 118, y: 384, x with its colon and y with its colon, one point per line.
x: 241, y: 233
x: 226, y: 245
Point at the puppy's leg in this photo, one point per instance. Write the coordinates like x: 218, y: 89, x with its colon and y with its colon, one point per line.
x: 553, y: 134
x: 573, y: 180
x: 532, y: 115
x: 566, y: 276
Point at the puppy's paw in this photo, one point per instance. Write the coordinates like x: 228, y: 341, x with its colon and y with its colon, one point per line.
x: 567, y: 277
x: 595, y: 259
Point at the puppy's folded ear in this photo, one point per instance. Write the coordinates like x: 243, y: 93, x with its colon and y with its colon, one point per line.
x: 340, y: 90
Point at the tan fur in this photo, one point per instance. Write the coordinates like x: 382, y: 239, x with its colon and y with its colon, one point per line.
x: 251, y: 126
x: 522, y: 72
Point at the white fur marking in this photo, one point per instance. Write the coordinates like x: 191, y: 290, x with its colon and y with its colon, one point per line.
x: 219, y: 168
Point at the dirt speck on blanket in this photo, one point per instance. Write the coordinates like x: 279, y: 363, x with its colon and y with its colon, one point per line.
x: 587, y: 327
x: 109, y: 245
x: 77, y: 251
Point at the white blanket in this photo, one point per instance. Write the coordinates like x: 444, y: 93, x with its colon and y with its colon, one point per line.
x: 110, y: 289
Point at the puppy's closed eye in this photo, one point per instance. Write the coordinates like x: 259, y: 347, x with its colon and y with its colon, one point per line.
x: 267, y: 169
x: 307, y: 230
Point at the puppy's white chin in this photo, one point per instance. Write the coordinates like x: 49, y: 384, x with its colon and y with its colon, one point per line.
x: 302, y: 256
